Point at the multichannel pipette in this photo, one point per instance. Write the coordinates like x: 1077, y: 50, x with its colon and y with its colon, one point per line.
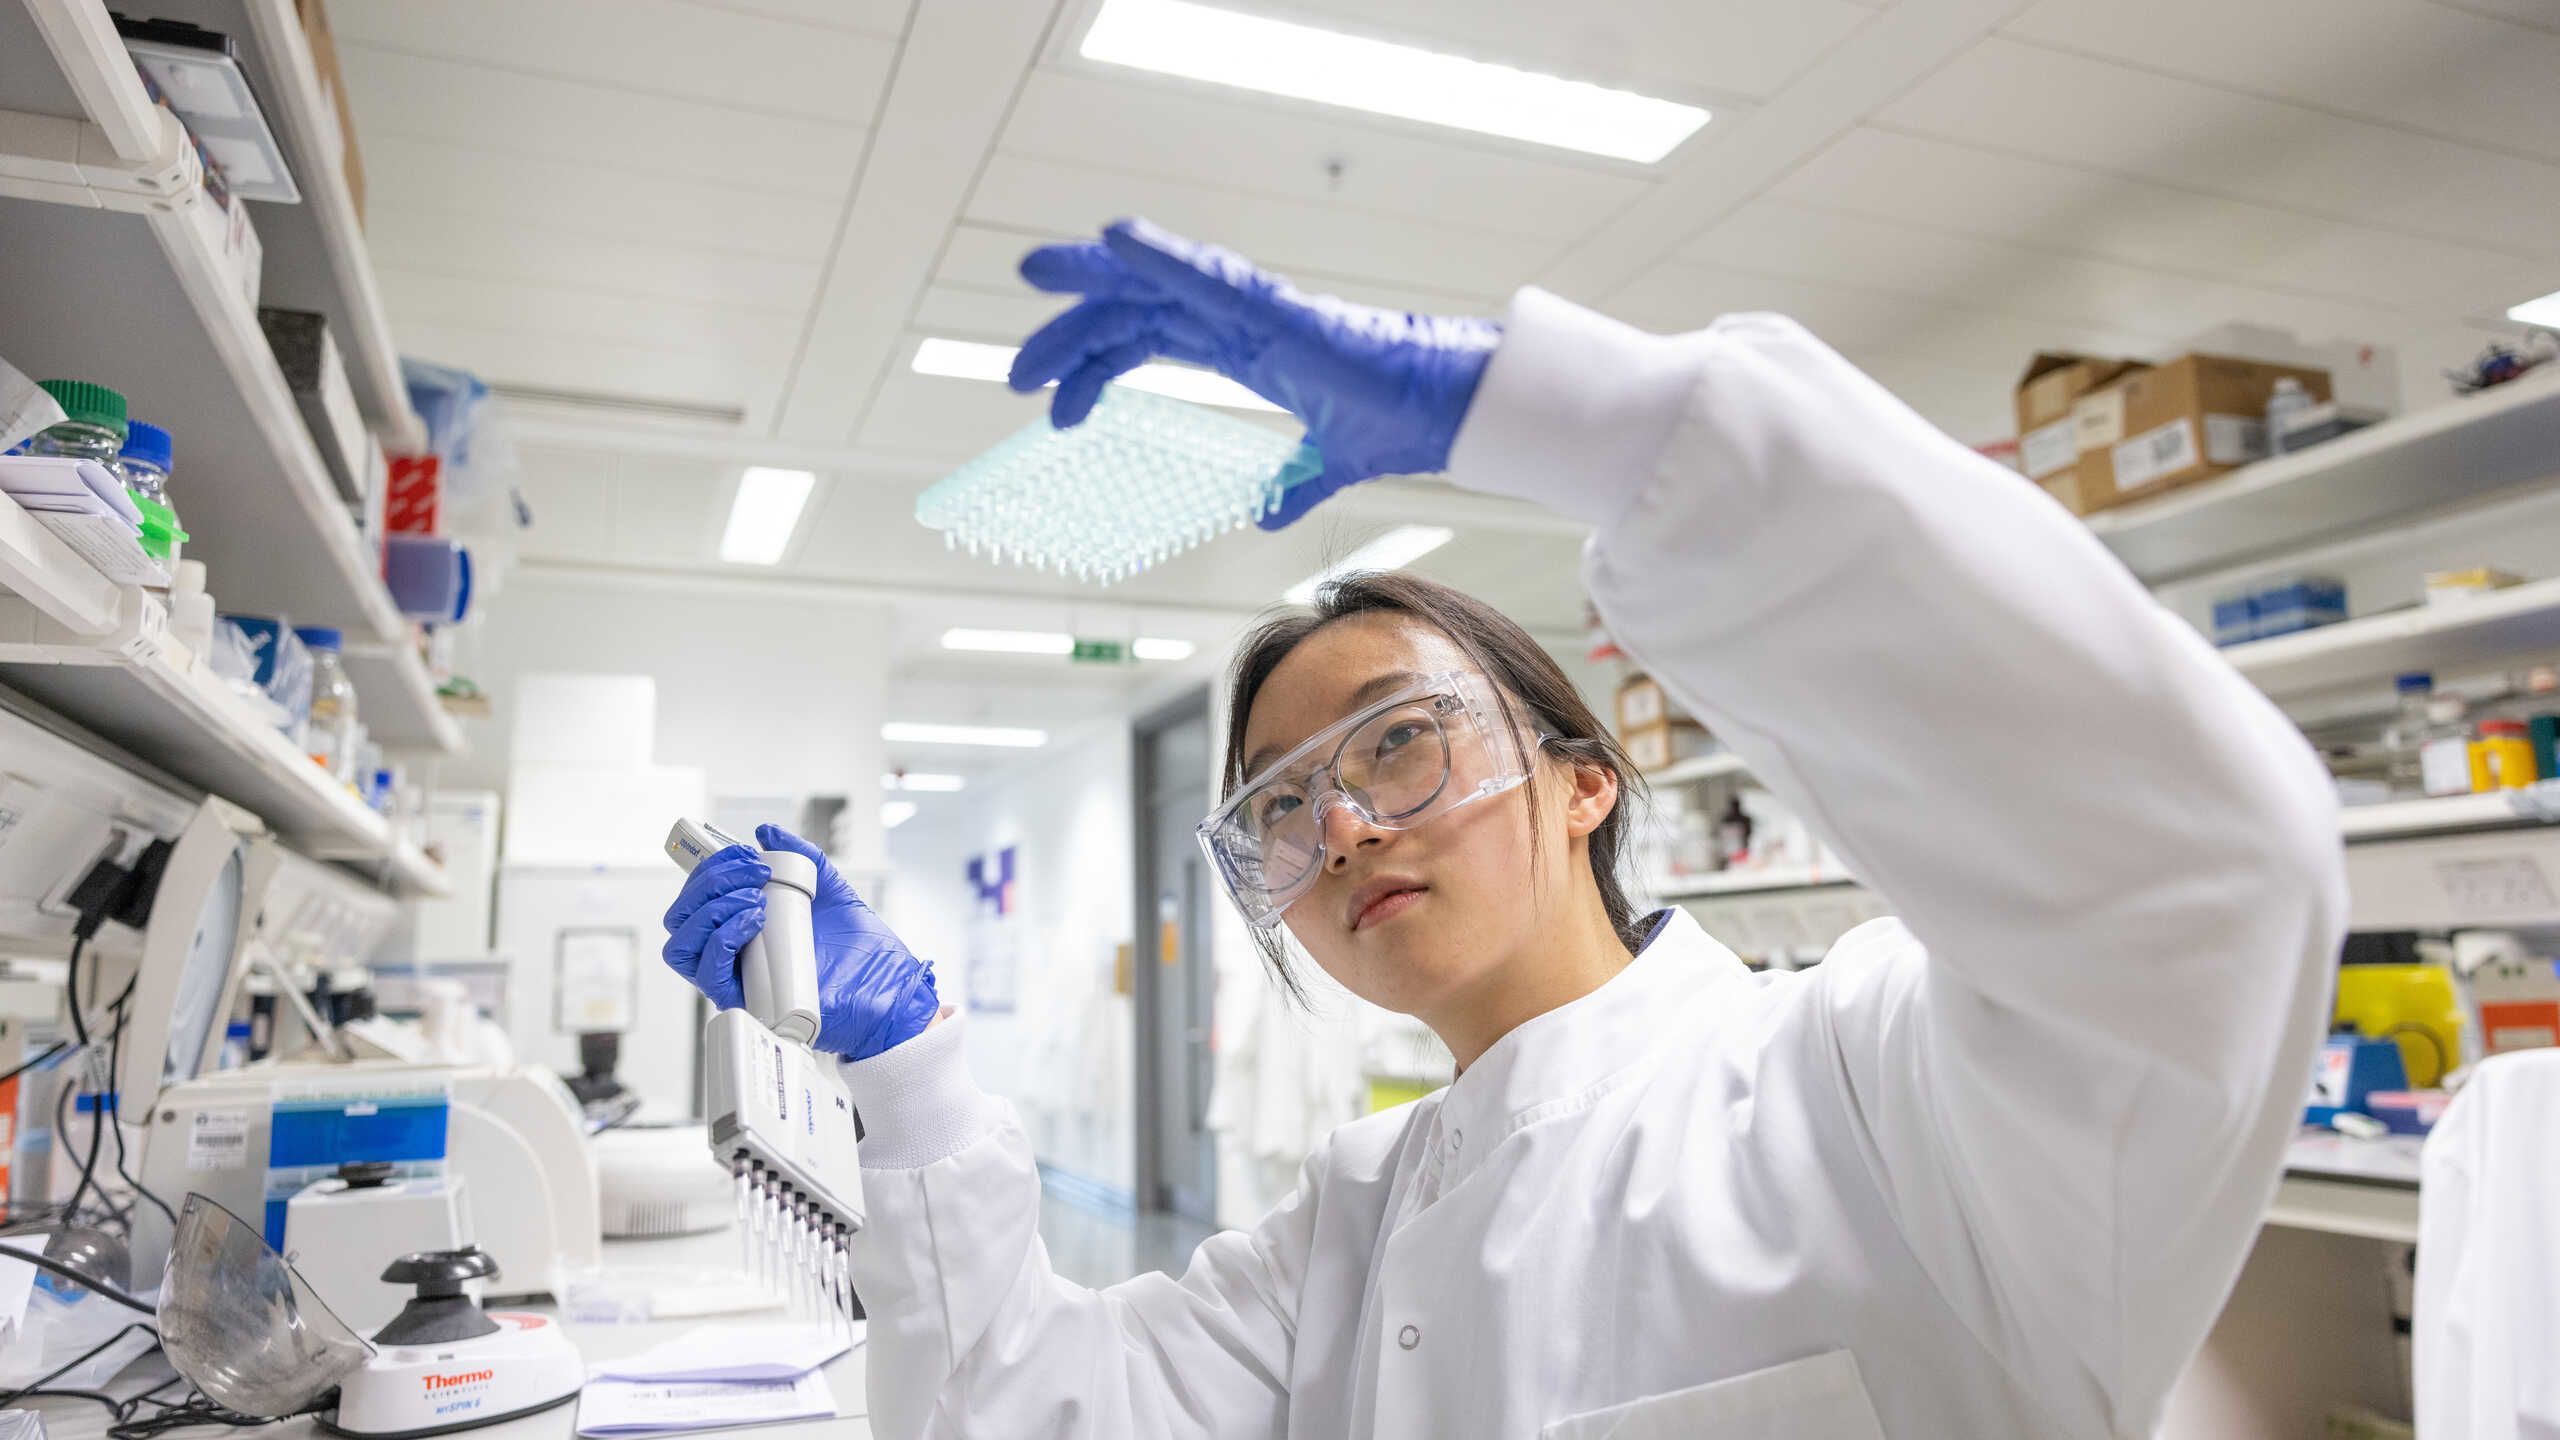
x: 780, y: 1118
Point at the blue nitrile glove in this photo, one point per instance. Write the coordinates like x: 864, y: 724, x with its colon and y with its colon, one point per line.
x: 873, y: 992
x: 1382, y: 392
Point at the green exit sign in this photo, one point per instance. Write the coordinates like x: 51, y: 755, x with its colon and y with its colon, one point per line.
x: 1100, y: 652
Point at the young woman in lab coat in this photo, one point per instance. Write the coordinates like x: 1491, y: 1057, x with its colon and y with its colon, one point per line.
x: 1986, y: 1171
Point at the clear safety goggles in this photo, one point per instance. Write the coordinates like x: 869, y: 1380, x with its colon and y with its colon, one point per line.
x: 1438, y: 744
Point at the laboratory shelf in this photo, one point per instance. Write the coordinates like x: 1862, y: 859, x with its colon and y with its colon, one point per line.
x: 396, y: 698
x: 2444, y: 637
x: 1744, y: 882
x: 2538, y: 804
x: 140, y: 692
x: 1703, y: 767
x: 316, y: 257
x: 2422, y: 463
x: 117, y: 273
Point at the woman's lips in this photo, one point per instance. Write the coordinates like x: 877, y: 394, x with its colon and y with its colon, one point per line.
x: 1388, y: 906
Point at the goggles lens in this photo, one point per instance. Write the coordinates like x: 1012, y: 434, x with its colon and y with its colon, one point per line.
x: 1406, y: 760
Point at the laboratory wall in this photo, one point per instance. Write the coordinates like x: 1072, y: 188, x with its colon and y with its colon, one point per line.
x: 767, y: 692
x: 1048, y: 1029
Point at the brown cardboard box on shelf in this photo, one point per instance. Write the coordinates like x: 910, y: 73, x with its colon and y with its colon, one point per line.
x: 1641, y: 703
x: 2171, y: 425
x: 2053, y: 380
x: 333, y: 83
x: 1664, y: 742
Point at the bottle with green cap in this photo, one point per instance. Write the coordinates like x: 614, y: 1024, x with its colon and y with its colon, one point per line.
x: 92, y: 427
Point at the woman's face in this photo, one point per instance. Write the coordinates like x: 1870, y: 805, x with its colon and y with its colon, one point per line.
x: 1413, y: 920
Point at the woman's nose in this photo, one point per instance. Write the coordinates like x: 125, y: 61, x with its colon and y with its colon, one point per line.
x: 1346, y: 830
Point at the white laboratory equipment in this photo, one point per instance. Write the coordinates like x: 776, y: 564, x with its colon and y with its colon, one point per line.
x: 342, y: 1231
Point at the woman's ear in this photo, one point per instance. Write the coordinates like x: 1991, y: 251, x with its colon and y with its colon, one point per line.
x: 1592, y: 796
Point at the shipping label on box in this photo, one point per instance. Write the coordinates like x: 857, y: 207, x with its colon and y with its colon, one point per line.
x: 2048, y: 448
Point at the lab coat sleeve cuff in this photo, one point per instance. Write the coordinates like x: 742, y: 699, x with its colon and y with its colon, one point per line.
x: 918, y: 1102
x: 1573, y: 408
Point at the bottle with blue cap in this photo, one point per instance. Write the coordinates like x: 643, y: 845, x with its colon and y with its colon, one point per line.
x: 333, y: 704
x: 144, y: 464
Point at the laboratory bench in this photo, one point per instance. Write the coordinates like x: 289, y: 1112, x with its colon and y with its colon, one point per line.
x: 85, y: 1420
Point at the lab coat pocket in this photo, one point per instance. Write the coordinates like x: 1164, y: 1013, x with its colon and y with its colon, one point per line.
x: 1816, y: 1398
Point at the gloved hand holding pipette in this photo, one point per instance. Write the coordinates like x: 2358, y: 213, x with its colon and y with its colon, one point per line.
x: 1382, y: 392
x: 873, y: 991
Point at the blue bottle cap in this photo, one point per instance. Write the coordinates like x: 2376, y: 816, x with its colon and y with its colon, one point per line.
x: 320, y: 637
x: 147, y: 443
x: 2414, y: 680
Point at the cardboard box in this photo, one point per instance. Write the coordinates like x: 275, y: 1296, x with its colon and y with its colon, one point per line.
x: 2168, y: 426
x: 1641, y: 703
x: 2054, y: 379
x: 1665, y: 742
x: 333, y: 83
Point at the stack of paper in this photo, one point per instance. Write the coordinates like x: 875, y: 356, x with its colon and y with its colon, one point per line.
x: 714, y: 1378
x: 85, y: 504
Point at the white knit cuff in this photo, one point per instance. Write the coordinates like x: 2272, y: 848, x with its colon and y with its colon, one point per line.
x: 1573, y: 408
x: 917, y: 1101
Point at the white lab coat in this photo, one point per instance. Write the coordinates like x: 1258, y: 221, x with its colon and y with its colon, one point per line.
x: 2487, y: 1342
x: 1987, y: 1171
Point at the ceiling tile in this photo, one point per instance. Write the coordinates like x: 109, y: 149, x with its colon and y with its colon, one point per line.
x: 439, y: 242
x: 2065, y: 208
x: 728, y: 57
x: 507, y: 114
x: 748, y: 336
x: 1675, y: 49
x: 979, y: 257
x: 1002, y: 319
x: 597, y: 367
x: 595, y: 199
x: 2018, y: 98
x: 2421, y: 66
x: 1059, y: 198
x: 1220, y: 139
x: 885, y: 18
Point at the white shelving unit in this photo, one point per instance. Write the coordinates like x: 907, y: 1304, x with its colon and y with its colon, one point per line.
x: 2423, y: 463
x: 2448, y: 637
x: 1690, y: 772
x: 117, y: 271
x: 2409, y: 819
x: 399, y: 700
x: 316, y: 254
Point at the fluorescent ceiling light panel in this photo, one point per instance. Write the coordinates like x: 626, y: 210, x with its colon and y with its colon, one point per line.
x: 972, y: 360
x: 1392, y: 551
x: 1011, y: 642
x: 910, y: 732
x: 765, y: 513
x: 923, y: 781
x: 1150, y: 647
x: 1302, y: 62
x: 894, y: 813
x: 2544, y: 312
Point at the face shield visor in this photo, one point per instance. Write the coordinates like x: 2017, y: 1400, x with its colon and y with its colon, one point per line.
x: 1438, y: 744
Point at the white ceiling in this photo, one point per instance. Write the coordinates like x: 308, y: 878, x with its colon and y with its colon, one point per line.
x: 758, y: 208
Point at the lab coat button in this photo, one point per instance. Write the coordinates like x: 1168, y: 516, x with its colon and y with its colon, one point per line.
x: 1456, y: 1139
x: 1408, y: 1337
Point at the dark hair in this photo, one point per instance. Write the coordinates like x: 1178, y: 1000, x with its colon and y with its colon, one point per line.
x: 1525, y: 676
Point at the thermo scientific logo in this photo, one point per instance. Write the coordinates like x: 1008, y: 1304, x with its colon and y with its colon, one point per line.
x: 466, y: 1377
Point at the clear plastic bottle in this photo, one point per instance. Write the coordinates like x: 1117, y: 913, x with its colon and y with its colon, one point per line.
x: 2289, y: 399
x: 92, y: 427
x: 2444, y: 762
x: 2406, y: 735
x: 333, y: 704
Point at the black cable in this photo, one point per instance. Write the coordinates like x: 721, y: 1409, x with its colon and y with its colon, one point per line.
x: 80, y: 1278
x: 83, y: 1358
x: 23, y: 1066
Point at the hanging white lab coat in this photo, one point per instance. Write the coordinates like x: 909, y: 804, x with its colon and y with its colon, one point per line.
x: 1987, y: 1171
x: 2486, y: 1348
